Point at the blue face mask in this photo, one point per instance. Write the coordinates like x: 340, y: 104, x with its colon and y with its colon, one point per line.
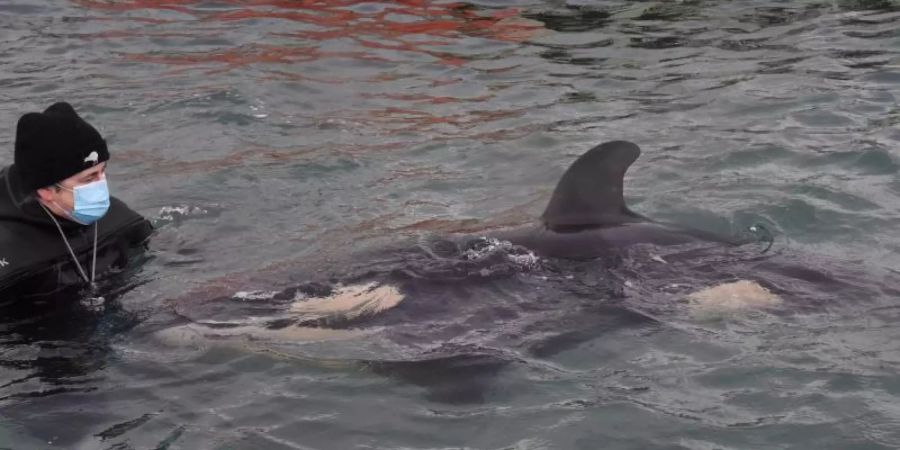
x: 91, y: 202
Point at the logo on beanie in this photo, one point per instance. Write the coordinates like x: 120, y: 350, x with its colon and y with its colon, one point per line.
x: 92, y: 159
x: 3, y: 262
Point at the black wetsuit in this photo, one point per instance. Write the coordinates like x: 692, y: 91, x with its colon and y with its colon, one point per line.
x: 34, y: 260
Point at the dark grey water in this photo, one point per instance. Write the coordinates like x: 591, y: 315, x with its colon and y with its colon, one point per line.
x: 273, y: 140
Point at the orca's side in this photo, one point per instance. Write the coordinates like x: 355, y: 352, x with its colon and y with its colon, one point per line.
x: 587, y: 216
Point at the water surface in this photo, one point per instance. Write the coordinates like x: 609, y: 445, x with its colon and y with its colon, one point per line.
x: 272, y: 140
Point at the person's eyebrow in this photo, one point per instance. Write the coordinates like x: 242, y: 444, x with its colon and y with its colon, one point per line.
x: 90, y: 175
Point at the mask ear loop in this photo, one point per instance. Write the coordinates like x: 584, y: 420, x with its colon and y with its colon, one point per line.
x: 73, y: 219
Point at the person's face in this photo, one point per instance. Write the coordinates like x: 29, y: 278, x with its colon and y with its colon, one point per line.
x: 64, y: 197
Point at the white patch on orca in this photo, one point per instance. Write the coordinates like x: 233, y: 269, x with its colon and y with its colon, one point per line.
x: 719, y: 301
x: 350, y: 302
x: 345, y: 302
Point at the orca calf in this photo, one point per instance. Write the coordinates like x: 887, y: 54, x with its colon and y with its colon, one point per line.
x: 450, y: 314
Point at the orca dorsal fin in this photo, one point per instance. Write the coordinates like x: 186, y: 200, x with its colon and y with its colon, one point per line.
x: 589, y: 194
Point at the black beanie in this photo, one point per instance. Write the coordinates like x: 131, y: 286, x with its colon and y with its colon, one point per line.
x: 54, y: 145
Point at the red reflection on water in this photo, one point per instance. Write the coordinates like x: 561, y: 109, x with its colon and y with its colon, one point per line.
x: 299, y: 33
x: 401, y: 27
x: 252, y: 54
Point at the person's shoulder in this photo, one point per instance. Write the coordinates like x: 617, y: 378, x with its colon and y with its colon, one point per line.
x: 120, y: 208
x: 9, y: 209
x: 125, y: 220
x: 115, y: 202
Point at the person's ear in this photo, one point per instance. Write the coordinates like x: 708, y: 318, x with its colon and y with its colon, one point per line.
x: 47, y: 193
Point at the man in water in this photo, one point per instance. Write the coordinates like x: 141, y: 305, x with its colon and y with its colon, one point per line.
x: 59, y: 227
